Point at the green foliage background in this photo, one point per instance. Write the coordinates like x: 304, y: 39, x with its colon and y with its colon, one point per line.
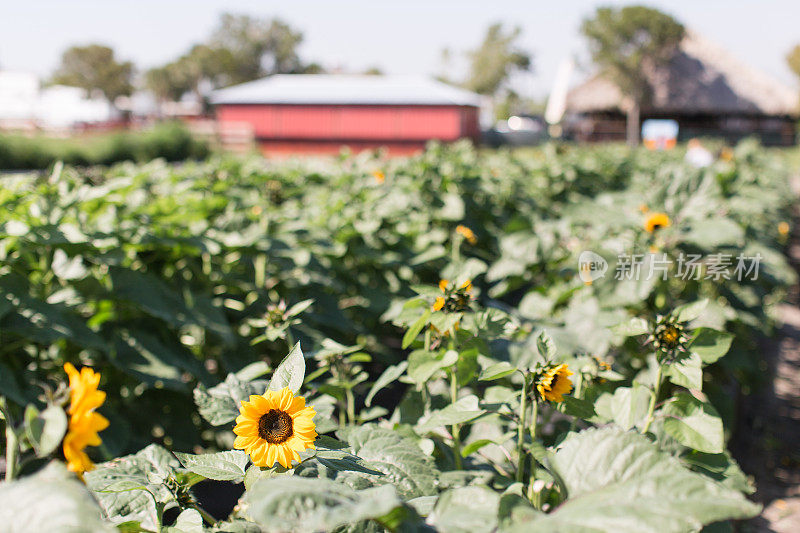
x: 169, y: 280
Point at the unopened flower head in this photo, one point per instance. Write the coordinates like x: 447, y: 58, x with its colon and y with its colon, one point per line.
x: 454, y: 298
x: 670, y: 339
x: 657, y: 221
x: 467, y: 233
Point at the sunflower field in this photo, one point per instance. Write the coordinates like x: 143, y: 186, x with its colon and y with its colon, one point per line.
x: 460, y: 341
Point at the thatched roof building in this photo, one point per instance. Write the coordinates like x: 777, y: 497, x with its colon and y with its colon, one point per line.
x: 705, y: 88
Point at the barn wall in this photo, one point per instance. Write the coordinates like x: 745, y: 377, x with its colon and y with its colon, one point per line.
x: 367, y: 123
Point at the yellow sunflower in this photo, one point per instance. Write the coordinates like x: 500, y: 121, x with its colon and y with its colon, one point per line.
x: 379, y: 176
x: 467, y: 233
x: 274, y: 427
x: 656, y: 221
x: 554, y: 383
x: 783, y: 228
x: 84, y: 422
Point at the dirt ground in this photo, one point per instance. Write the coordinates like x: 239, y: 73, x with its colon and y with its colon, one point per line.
x: 767, y: 442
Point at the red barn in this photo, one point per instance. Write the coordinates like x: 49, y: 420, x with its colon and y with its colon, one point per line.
x: 320, y: 113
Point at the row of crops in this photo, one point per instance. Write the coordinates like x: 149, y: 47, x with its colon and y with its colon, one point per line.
x: 552, y: 340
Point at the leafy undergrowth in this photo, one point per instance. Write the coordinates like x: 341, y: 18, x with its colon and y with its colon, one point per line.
x: 478, y: 356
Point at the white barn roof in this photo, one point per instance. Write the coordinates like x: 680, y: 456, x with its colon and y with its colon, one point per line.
x: 339, y: 89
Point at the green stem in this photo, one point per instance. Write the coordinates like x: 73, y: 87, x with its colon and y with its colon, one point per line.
x: 653, y: 398
x: 210, y: 520
x: 342, y: 416
x: 456, y: 428
x: 534, y: 423
x: 455, y: 251
x: 12, y: 444
x: 577, y: 394
x: 523, y: 413
x: 351, y: 405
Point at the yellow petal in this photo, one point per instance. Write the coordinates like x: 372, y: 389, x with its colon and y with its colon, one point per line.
x: 270, y: 459
x: 286, y: 398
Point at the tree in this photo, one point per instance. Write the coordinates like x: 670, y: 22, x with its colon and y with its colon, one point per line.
x: 94, y: 68
x: 241, y: 49
x: 793, y: 59
x: 629, y: 44
x: 494, y: 60
x: 257, y: 47
x: 202, y: 64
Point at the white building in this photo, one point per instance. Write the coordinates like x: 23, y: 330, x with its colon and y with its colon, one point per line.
x: 25, y: 104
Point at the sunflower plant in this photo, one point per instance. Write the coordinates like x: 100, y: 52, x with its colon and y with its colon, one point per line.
x: 459, y: 374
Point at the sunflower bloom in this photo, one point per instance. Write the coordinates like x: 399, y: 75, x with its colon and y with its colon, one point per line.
x: 554, y: 383
x: 657, y: 221
x: 438, y: 303
x: 84, y: 422
x: 783, y: 228
x: 275, y: 427
x: 379, y: 176
x: 467, y: 233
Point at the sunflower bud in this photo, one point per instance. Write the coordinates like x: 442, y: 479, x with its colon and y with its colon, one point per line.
x: 670, y: 339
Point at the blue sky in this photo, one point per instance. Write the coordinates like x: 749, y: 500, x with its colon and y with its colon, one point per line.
x: 398, y: 36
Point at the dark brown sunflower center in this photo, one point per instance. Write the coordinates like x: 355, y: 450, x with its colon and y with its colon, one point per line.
x: 554, y: 382
x: 275, y: 426
x: 656, y: 226
x: 670, y: 336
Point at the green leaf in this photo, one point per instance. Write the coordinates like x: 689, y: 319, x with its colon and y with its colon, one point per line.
x: 151, y: 294
x: 474, y: 446
x: 292, y: 503
x: 710, y: 344
x: 147, y: 358
x: 620, y: 481
x: 710, y: 234
x: 8, y: 385
x: 497, y: 371
x: 466, y: 510
x: 688, y: 372
x: 45, y: 430
x: 118, y: 484
x: 690, y: 311
x: 633, y: 327
x: 221, y: 466
x: 463, y: 410
x: 422, y: 364
x: 579, y: 407
x: 415, y: 328
x: 546, y: 346
x: 402, y: 462
x: 290, y: 372
x: 50, y: 500
x: 629, y: 405
x: 389, y: 375
x: 220, y: 404
x: 694, y: 424
x: 189, y: 521
x: 299, y: 307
